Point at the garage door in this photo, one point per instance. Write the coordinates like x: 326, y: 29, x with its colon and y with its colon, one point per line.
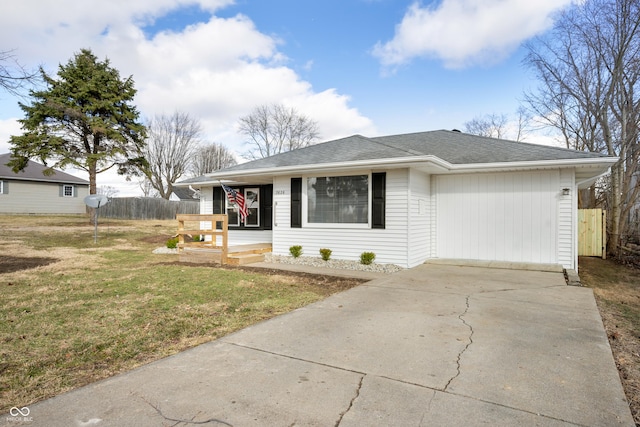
x: 503, y: 217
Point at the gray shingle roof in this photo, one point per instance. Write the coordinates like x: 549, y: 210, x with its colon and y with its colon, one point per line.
x: 183, y: 193
x: 452, y: 146
x: 33, y: 172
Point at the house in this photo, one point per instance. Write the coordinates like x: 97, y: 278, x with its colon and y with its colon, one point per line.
x: 32, y: 192
x: 410, y: 198
x: 184, y: 194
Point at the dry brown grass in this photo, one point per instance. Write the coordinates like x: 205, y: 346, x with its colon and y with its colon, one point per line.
x: 73, y: 311
x: 617, y: 291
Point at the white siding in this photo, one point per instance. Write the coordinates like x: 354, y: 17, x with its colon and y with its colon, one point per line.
x: 26, y: 197
x: 206, y: 201
x: 390, y: 244
x: 567, y: 217
x: 499, y: 216
x: 247, y: 237
x: 433, y: 219
x: 419, y: 230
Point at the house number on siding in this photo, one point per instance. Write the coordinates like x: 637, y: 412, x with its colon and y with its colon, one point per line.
x: 280, y: 192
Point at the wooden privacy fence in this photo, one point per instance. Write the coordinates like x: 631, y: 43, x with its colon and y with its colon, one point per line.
x: 147, y: 208
x: 592, y: 233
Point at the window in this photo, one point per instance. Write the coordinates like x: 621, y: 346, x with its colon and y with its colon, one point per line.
x: 67, y: 190
x: 252, y: 201
x: 338, y: 199
x: 2, y: 191
x: 233, y: 211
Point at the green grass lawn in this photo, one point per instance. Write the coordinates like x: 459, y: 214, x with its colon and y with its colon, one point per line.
x: 87, y: 311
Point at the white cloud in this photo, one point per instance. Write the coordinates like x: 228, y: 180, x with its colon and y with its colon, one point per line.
x: 464, y: 32
x: 216, y: 70
x: 8, y: 127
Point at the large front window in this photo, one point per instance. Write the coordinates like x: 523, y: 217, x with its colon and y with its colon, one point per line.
x: 338, y: 199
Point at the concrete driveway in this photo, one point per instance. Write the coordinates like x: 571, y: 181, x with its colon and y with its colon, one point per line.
x: 435, y: 345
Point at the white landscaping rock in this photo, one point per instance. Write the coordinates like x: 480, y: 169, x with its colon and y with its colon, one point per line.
x: 333, y: 263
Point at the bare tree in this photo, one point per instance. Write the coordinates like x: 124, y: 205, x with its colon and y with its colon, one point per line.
x: 108, y: 190
x: 147, y: 189
x: 490, y: 125
x: 499, y: 126
x: 589, y: 73
x: 211, y: 157
x: 13, y: 76
x: 171, y: 144
x: 273, y: 129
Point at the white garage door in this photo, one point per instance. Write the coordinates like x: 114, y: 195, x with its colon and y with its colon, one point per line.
x: 502, y: 216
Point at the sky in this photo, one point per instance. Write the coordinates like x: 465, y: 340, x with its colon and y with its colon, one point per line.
x: 369, y: 67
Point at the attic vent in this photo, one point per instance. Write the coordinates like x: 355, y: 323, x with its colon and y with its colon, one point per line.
x: 455, y: 130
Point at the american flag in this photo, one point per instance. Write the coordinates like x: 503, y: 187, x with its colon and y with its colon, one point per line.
x: 235, y: 197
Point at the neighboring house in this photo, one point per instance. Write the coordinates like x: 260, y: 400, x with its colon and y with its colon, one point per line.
x: 32, y: 192
x: 184, y: 194
x: 410, y: 198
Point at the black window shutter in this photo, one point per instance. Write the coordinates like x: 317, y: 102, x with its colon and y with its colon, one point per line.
x: 218, y: 201
x: 379, y: 184
x: 266, y: 206
x: 296, y: 202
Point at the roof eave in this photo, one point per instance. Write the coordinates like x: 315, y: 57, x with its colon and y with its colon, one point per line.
x: 597, y: 162
x: 51, y: 181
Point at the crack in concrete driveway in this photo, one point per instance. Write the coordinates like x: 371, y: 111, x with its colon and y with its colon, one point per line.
x: 466, y: 347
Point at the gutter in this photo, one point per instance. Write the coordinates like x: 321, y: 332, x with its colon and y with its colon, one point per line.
x: 585, y: 183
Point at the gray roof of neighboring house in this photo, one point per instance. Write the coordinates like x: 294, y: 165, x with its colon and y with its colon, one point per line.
x: 184, y: 193
x: 451, y: 146
x: 34, y: 172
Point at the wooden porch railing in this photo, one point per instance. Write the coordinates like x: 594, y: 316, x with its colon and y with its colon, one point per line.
x: 213, y: 231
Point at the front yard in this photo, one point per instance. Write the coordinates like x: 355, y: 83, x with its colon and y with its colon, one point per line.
x: 74, y: 311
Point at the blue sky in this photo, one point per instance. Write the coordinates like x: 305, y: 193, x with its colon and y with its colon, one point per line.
x: 373, y: 67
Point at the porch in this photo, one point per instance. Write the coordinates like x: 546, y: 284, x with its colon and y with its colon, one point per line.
x: 236, y: 255
x: 212, y: 245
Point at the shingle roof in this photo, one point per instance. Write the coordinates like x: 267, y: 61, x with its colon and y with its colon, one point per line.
x: 451, y: 146
x: 183, y: 193
x: 34, y: 172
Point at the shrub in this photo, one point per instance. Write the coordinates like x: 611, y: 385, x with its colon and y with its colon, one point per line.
x: 295, y: 251
x: 367, y: 258
x: 172, y: 243
x: 197, y: 238
x: 325, y: 254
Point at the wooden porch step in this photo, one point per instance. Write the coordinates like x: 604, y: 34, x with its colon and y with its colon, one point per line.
x: 257, y: 248
x: 237, y: 255
x: 243, y: 259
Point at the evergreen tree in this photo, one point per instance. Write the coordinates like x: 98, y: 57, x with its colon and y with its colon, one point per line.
x: 85, y: 119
